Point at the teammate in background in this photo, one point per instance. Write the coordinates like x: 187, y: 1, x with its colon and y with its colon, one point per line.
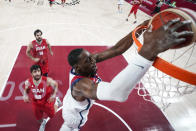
x: 86, y: 86
x: 63, y: 2
x: 37, y: 51
x: 135, y: 6
x: 120, y: 3
x: 41, y: 91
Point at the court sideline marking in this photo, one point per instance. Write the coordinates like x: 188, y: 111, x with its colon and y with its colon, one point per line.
x: 106, y: 108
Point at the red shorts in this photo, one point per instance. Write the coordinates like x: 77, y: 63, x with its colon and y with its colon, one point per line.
x: 40, y: 109
x: 135, y: 8
x: 44, y: 66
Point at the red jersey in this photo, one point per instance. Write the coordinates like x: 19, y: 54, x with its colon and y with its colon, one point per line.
x: 40, y: 93
x: 40, y: 50
x: 136, y: 2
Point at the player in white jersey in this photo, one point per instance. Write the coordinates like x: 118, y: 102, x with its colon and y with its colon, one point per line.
x: 85, y: 86
x: 75, y: 112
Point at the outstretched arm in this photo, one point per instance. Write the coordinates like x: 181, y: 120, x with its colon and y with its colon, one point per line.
x: 123, y: 45
x: 154, y: 43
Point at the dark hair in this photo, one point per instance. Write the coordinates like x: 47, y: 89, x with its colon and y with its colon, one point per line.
x: 73, y: 56
x: 37, y: 31
x: 35, y: 67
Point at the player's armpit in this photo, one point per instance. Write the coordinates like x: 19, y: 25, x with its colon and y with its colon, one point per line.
x: 87, y: 88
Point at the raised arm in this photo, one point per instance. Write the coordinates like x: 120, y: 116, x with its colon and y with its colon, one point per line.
x: 154, y: 43
x: 120, y: 47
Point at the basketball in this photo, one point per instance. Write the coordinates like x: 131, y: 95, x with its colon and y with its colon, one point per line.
x: 163, y: 17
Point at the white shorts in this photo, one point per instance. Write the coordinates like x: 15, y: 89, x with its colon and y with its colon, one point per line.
x: 73, y: 119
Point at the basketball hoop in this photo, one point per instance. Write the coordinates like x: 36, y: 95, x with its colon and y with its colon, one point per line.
x: 167, y: 79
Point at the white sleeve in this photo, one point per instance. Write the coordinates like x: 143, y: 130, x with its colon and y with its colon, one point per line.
x: 120, y: 87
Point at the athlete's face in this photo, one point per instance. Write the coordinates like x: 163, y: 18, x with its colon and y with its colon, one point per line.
x: 36, y: 74
x: 86, y: 65
x: 38, y: 36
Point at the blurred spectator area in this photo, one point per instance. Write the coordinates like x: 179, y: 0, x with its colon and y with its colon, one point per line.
x: 149, y: 5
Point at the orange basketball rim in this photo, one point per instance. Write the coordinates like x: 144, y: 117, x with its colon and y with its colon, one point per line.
x: 166, y: 67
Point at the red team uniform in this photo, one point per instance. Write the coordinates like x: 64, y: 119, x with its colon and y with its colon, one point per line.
x: 41, y: 51
x: 135, y: 6
x: 40, y: 95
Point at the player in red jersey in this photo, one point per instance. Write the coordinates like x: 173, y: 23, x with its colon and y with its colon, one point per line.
x: 37, y: 50
x: 135, y: 6
x: 41, y: 91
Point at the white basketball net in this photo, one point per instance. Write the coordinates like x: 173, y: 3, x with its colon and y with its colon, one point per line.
x: 162, y: 89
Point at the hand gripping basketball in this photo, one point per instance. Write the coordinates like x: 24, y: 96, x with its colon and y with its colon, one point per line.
x: 183, y: 14
x: 159, y: 63
x: 166, y: 36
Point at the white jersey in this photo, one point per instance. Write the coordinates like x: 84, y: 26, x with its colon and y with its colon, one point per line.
x: 75, y: 112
